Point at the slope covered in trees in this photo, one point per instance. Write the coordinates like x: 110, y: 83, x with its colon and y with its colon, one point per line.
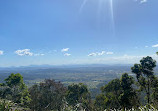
x: 122, y: 93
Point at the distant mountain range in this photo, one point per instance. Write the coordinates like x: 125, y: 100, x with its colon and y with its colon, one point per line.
x: 63, y: 66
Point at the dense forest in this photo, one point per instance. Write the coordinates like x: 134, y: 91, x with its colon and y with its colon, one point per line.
x: 137, y: 93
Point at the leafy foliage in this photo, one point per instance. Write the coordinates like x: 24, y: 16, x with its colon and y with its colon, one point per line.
x: 78, y: 94
x: 15, y: 80
x: 145, y: 75
x: 6, y: 105
x: 128, y: 97
x: 118, y: 94
x: 15, y: 89
x: 48, y: 95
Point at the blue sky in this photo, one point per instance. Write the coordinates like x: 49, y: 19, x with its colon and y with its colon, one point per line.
x: 60, y: 32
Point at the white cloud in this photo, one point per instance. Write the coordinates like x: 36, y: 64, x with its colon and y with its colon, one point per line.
x: 65, y: 50
x: 101, y: 53
x: 27, y: 52
x: 39, y: 54
x: 109, y: 53
x: 67, y: 54
x: 42, y: 54
x: 1, y: 52
x: 146, y: 46
x: 143, y: 1
x: 155, y: 45
x: 92, y: 54
x: 24, y: 52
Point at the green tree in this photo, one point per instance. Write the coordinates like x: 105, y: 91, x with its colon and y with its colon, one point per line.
x: 145, y: 75
x: 118, y: 94
x: 128, y: 97
x: 100, y: 102
x: 15, y: 80
x: 79, y: 94
x: 112, y: 92
x: 15, y: 89
x: 154, y: 94
x: 48, y: 95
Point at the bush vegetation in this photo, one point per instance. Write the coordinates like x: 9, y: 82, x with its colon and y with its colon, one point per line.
x: 122, y: 94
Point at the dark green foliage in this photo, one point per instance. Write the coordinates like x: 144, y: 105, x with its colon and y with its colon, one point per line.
x: 15, y: 80
x: 112, y: 91
x: 128, y: 97
x: 113, y: 86
x: 101, y: 102
x: 118, y: 94
x: 78, y: 94
x: 154, y: 94
x: 145, y: 75
x: 46, y: 96
x: 15, y: 89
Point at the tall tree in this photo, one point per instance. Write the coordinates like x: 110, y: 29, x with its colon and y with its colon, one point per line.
x: 145, y: 75
x: 109, y: 98
x: 154, y: 94
x: 118, y: 94
x: 15, y: 80
x: 79, y: 94
x: 128, y: 97
x: 15, y: 89
x: 100, y: 102
x: 112, y: 91
x: 48, y: 95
